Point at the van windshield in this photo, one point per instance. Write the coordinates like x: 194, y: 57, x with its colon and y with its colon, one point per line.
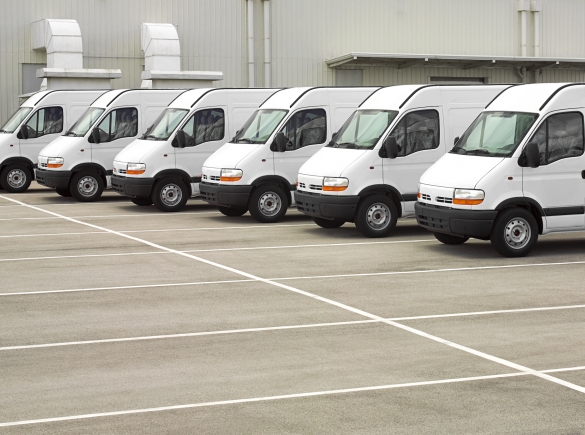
x: 363, y: 129
x: 165, y: 124
x: 83, y: 124
x: 495, y: 134
x: 260, y: 126
x: 15, y: 120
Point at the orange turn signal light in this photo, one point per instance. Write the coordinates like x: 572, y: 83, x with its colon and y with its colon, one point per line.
x: 467, y: 201
x: 230, y: 178
x: 54, y: 165
x: 135, y: 171
x: 334, y: 188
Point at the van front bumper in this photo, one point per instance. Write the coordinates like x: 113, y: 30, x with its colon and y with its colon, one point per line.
x: 327, y: 206
x: 223, y: 195
x: 464, y: 223
x: 133, y: 187
x: 54, y: 179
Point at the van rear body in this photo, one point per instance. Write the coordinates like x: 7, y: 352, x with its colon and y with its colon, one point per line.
x: 517, y: 172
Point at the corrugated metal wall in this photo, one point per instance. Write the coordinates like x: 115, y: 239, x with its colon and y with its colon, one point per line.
x: 304, y: 34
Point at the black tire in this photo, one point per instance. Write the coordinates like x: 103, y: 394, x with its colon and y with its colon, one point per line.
x: 141, y: 201
x: 268, y: 203
x: 228, y: 211
x: 449, y: 239
x: 86, y: 186
x: 170, y: 194
x: 328, y: 223
x: 15, y: 178
x: 514, y: 233
x: 63, y: 192
x: 376, y: 216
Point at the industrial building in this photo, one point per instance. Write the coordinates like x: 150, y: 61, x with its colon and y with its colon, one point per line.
x: 284, y: 43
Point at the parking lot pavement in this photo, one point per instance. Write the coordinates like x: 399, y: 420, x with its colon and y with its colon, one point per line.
x: 195, y: 322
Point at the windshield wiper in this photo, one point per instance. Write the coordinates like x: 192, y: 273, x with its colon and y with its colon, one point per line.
x: 3, y: 131
x: 244, y: 140
x: 456, y: 150
x: 479, y: 151
x: 151, y: 136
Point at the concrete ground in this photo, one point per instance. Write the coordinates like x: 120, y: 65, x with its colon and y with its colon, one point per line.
x: 116, y: 318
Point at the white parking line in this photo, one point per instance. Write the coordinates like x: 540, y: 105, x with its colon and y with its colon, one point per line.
x: 280, y: 397
x: 332, y: 302
x: 166, y: 230
x: 248, y: 248
x: 109, y: 216
x: 276, y: 328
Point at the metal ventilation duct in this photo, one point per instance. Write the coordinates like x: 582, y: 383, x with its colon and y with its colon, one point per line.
x: 162, y: 50
x: 61, y: 39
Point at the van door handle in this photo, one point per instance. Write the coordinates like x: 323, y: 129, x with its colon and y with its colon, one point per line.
x: 582, y: 174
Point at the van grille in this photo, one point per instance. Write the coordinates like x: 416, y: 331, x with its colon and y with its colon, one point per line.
x: 315, y: 187
x: 425, y: 196
x: 43, y: 165
x: 302, y: 185
x: 444, y: 200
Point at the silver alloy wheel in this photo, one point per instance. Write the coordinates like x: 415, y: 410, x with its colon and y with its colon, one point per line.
x: 517, y: 233
x: 16, y: 178
x: 171, y: 195
x: 378, y: 216
x: 269, y: 203
x: 87, y: 186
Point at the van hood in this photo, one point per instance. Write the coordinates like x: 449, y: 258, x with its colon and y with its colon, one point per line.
x: 459, y: 171
x: 137, y: 150
x: 57, y: 147
x: 229, y: 155
x: 330, y: 162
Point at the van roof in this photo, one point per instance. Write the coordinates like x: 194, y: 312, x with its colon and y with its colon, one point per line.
x: 190, y: 97
x: 539, y: 97
x: 304, y: 96
x: 406, y: 96
x: 37, y: 97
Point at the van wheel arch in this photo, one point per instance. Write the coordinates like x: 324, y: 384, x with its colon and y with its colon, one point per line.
x: 91, y: 167
x: 382, y: 189
x: 279, y: 181
x: 526, y: 203
x: 18, y: 160
x: 182, y: 175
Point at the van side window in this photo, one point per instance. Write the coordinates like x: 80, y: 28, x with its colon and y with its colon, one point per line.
x: 559, y: 137
x: 48, y: 120
x: 205, y: 126
x: 119, y: 123
x: 417, y: 131
x: 304, y: 128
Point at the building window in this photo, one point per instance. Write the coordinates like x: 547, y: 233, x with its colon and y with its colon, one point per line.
x: 349, y: 77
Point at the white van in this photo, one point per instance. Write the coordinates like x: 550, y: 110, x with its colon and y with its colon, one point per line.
x: 39, y: 120
x: 517, y: 172
x: 369, y: 172
x: 258, y: 169
x: 164, y: 166
x: 79, y: 163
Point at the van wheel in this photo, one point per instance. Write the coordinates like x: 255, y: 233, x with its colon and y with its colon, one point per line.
x: 63, y: 192
x: 15, y: 178
x: 376, y: 216
x: 515, y: 233
x: 141, y: 201
x: 86, y: 186
x: 170, y: 194
x: 229, y: 211
x: 449, y: 239
x: 268, y: 203
x: 328, y: 223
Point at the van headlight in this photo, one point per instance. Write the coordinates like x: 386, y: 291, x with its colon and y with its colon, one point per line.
x: 468, y: 196
x: 334, y: 184
x: 55, y: 162
x: 231, y: 175
x: 135, y: 168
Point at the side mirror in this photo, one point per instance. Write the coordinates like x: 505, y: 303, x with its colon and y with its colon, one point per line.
x: 280, y: 142
x: 23, y: 132
x: 181, y: 139
x: 391, y: 147
x: 456, y: 140
x: 95, y: 135
x: 530, y: 155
